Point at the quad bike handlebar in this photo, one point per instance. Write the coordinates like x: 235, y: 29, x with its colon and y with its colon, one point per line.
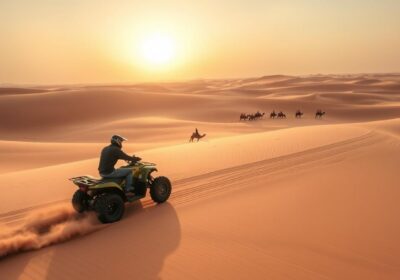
x: 138, y: 162
x: 137, y: 159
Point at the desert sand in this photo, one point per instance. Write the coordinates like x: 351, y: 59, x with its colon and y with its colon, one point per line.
x: 267, y: 199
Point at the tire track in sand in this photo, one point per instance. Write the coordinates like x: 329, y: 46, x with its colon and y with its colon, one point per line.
x: 224, y: 180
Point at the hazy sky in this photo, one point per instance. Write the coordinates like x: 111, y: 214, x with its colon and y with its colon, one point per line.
x: 93, y: 41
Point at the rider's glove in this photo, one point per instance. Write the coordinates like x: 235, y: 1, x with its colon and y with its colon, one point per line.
x: 136, y: 158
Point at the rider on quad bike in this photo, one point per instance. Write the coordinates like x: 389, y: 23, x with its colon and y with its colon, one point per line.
x: 109, y: 157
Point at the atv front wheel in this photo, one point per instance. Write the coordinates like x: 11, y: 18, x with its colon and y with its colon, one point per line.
x: 109, y: 207
x: 80, y: 201
x: 160, y: 189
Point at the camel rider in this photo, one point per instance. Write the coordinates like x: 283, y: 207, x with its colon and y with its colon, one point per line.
x: 109, y: 157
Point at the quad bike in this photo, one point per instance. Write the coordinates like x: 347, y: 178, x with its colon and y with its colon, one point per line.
x: 107, y: 197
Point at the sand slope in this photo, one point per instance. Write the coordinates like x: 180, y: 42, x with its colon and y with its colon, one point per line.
x: 271, y: 199
x: 178, y: 162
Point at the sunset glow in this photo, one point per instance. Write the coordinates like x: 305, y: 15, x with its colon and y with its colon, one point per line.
x: 264, y: 139
x: 157, y: 49
x: 51, y: 42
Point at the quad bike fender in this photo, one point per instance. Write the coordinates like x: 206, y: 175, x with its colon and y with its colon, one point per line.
x: 146, y: 171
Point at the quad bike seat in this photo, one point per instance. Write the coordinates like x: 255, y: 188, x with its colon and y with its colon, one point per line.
x: 116, y: 180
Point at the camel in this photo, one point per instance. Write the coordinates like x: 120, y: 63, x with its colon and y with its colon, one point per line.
x: 299, y: 114
x: 243, y: 117
x: 251, y: 117
x: 272, y: 115
x: 281, y: 115
x: 259, y: 115
x: 196, y: 135
x: 319, y: 114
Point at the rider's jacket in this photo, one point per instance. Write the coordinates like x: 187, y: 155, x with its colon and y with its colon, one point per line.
x: 109, y: 157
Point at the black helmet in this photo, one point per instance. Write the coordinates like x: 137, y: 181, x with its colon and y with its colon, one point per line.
x: 117, y: 140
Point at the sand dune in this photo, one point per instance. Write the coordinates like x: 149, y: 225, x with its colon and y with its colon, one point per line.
x: 269, y: 199
x: 69, y: 112
x: 179, y: 161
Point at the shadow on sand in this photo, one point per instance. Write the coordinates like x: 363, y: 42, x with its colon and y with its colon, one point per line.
x: 134, y: 248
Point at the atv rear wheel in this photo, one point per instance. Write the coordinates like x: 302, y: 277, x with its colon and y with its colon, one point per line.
x: 160, y: 189
x: 109, y: 207
x: 80, y: 201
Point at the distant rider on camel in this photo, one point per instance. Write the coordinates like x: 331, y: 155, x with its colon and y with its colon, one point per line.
x: 196, y: 135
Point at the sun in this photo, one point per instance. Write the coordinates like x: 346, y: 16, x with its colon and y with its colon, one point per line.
x: 158, y: 49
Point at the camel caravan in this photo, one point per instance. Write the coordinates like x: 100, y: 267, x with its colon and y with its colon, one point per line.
x: 257, y: 116
x: 278, y: 115
x: 251, y: 117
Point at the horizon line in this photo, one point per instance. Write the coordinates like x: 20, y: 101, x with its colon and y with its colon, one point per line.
x: 88, y: 84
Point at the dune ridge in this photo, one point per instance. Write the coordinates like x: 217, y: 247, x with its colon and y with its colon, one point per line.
x: 64, y: 114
